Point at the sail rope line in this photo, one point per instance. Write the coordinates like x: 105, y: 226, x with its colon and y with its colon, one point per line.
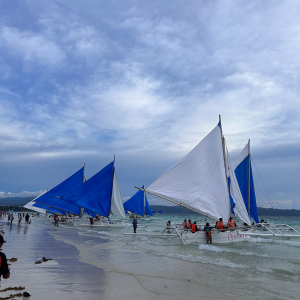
x: 268, y: 191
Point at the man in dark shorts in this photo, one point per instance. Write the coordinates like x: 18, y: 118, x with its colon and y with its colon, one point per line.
x: 207, y: 230
x: 4, y: 270
x: 134, y: 224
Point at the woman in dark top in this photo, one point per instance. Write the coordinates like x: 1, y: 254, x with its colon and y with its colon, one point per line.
x: 4, y: 270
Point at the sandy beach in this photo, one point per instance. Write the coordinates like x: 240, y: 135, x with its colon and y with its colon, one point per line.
x: 102, y: 263
x: 67, y: 276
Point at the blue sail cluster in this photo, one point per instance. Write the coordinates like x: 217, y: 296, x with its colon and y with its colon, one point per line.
x: 136, y: 204
x: 242, y: 176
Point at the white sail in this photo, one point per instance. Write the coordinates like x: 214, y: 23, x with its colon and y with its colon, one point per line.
x: 239, y: 209
x: 241, y: 157
x: 30, y: 206
x: 117, y: 207
x: 198, y: 181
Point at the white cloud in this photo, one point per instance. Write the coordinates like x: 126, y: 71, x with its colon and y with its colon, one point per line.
x: 23, y: 194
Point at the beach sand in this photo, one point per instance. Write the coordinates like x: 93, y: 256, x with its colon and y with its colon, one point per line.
x: 73, y: 273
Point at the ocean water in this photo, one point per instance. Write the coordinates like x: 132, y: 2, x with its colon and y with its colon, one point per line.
x: 261, y: 268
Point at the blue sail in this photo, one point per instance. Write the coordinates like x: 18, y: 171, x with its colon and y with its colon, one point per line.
x: 49, y: 198
x: 242, y: 176
x: 153, y: 212
x: 94, y: 194
x: 147, y: 207
x: 51, y: 209
x: 136, y: 203
x: 160, y: 212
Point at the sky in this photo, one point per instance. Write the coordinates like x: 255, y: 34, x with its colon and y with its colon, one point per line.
x: 81, y: 81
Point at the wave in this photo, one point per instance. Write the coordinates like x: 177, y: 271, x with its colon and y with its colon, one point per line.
x: 200, y: 259
x: 270, y: 240
x: 221, y: 249
x: 108, y: 233
x: 263, y: 270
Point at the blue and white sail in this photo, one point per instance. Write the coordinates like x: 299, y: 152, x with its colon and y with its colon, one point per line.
x: 99, y: 194
x: 138, y: 204
x: 50, y: 200
x: 236, y: 200
x: 198, y: 181
x: 243, y: 172
x: 30, y: 205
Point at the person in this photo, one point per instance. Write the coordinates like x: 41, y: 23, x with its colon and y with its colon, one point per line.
x: 27, y: 218
x: 184, y: 224
x: 207, y: 230
x: 189, y: 225
x: 231, y: 223
x: 168, y: 225
x: 194, y: 227
x: 219, y: 225
x: 55, y: 220
x: 19, y: 219
x: 134, y: 224
x: 11, y: 218
x: 92, y: 220
x: 4, y: 270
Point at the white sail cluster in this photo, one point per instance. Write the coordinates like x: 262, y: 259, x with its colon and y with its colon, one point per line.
x: 198, y: 181
x: 117, y: 207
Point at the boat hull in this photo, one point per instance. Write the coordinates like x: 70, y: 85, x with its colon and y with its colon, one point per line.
x: 100, y: 223
x: 218, y: 237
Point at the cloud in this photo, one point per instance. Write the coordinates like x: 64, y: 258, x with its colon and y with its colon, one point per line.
x: 146, y: 81
x: 23, y: 194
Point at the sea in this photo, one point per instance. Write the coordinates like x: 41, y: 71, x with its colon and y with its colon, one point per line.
x: 149, y: 267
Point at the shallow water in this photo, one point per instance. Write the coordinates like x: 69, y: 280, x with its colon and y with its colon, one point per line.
x: 145, y: 267
x: 267, y: 268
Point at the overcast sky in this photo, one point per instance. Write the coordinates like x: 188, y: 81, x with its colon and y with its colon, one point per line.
x: 81, y: 81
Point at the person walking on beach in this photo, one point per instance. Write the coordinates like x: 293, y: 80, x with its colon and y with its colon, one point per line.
x: 11, y: 218
x: 27, y: 218
x: 4, y: 270
x: 55, y: 220
x: 19, y: 219
x: 207, y: 230
x: 134, y: 224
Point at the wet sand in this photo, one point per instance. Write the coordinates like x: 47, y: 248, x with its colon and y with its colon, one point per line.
x: 79, y: 272
x: 64, y: 277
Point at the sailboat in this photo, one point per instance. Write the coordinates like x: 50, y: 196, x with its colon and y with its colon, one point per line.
x: 199, y: 182
x: 101, y: 195
x: 49, y: 201
x: 138, y: 204
x: 244, y: 175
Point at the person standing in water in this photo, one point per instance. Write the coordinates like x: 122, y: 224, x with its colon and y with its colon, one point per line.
x: 134, y: 224
x: 207, y: 230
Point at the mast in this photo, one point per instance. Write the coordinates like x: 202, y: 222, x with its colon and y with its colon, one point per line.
x: 112, y: 186
x: 83, y: 180
x: 249, y: 174
x: 144, y: 202
x: 224, y: 157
